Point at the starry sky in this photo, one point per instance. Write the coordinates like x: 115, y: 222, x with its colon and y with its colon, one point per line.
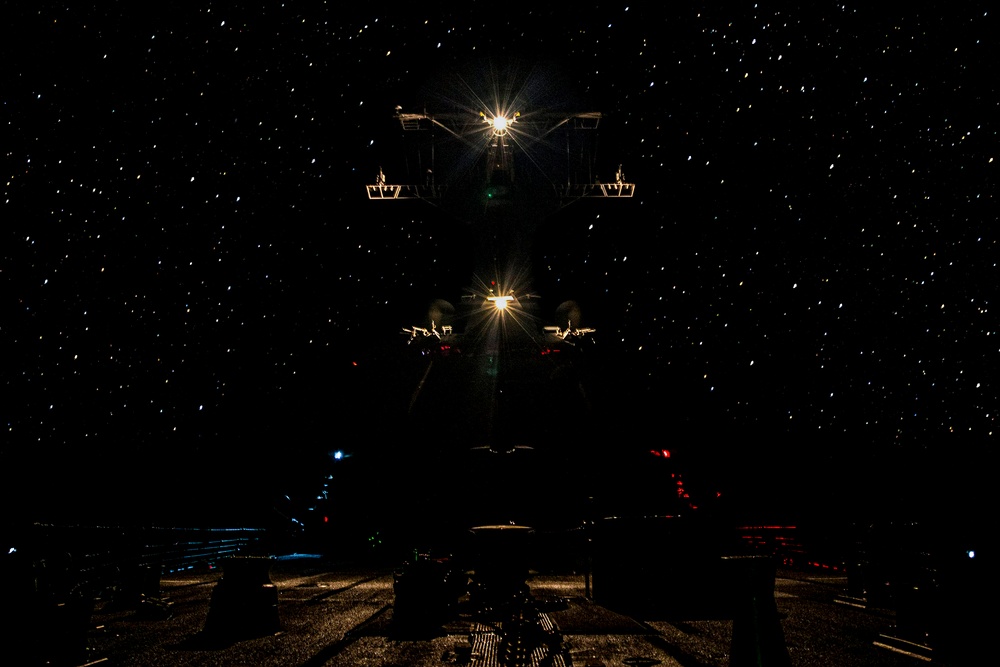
x: 194, y: 279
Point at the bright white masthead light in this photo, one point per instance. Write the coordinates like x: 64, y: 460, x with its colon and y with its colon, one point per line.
x: 501, y: 302
x: 499, y: 123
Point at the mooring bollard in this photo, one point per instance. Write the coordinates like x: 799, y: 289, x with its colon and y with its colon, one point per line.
x: 501, y: 560
x: 758, y: 640
x: 245, y: 601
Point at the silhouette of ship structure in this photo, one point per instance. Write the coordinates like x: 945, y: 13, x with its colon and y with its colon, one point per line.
x: 508, y: 462
x: 502, y: 414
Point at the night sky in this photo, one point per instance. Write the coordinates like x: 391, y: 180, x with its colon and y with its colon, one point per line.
x: 195, y: 282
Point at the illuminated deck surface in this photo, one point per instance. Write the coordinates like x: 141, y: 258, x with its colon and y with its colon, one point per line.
x: 344, y: 616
